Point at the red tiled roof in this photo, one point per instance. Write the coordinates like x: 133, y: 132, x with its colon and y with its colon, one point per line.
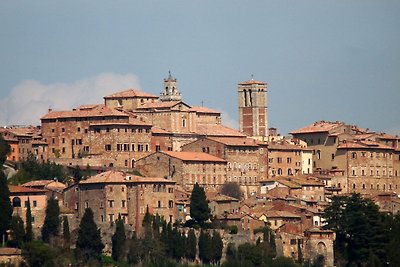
x: 158, y: 130
x: 235, y: 141
x: 130, y: 93
x: 42, y: 183
x: 363, y: 145
x: 217, y: 130
x: 318, y: 127
x: 193, y: 156
x: 199, y: 109
x: 284, y: 146
x: 99, y: 111
x: 22, y: 189
x: 122, y: 177
x: 160, y: 105
x: 281, y: 214
x: 132, y: 122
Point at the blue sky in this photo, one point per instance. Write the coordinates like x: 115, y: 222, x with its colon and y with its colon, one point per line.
x: 323, y: 60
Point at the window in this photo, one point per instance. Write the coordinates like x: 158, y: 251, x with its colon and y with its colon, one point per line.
x: 102, y: 218
x: 34, y: 203
x: 86, y: 204
x: 279, y: 160
x: 170, y: 204
x: 289, y: 160
x: 333, y: 156
x: 111, y: 203
x: 63, y: 130
x: 354, y: 155
x: 158, y: 204
x: 123, y: 203
x: 107, y: 147
x: 318, y: 154
x: 16, y: 202
x: 111, y: 216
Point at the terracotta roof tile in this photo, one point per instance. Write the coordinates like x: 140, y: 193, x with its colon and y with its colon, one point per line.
x: 363, y: 145
x: 130, y: 93
x: 199, y: 109
x: 283, y: 146
x: 160, y: 105
x: 99, y: 111
x: 15, y: 189
x: 318, y: 127
x: 217, y: 130
x: 42, y: 183
x: 235, y: 141
x: 132, y: 122
x: 193, y: 156
x: 122, y: 177
x: 158, y: 130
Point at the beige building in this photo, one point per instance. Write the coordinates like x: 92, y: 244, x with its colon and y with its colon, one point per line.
x: 185, y: 168
x: 112, y: 194
x: 284, y: 159
x: 369, y: 161
x: 246, y: 158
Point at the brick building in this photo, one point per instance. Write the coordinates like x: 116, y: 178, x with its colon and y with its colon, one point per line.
x: 253, y: 109
x: 113, y: 193
x: 185, y: 168
x: 284, y: 159
x: 369, y: 161
x: 246, y: 158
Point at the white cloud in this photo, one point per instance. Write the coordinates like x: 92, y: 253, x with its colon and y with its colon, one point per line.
x: 30, y: 100
x: 227, y: 120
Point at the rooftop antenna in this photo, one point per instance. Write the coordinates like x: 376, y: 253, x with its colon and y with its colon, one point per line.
x: 202, y: 103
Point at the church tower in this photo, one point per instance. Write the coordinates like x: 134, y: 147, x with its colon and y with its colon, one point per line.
x: 253, y: 109
x: 171, y: 92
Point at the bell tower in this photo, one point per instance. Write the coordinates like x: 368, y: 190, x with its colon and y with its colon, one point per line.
x: 253, y: 109
x: 171, y: 92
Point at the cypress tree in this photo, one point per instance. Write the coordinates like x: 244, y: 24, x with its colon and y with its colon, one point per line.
x: 191, y: 245
x: 216, y: 247
x: 118, y: 241
x: 205, y: 247
x: 5, y: 149
x: 199, y: 210
x: 66, y: 232
x: 18, y: 231
x: 51, y: 223
x: 29, y: 232
x: 5, y: 206
x: 88, y: 244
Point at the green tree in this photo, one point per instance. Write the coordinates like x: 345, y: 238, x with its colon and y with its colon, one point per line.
x: 5, y: 206
x: 191, y: 246
x: 37, y: 253
x: 232, y: 189
x: 5, y: 149
x: 118, y: 241
x: 199, y: 210
x: 216, y: 247
x: 359, y: 227
x: 394, y: 242
x: 134, y: 250
x: 18, y: 231
x: 51, y: 225
x: 88, y: 244
x: 66, y: 232
x: 205, y: 247
x: 28, y: 219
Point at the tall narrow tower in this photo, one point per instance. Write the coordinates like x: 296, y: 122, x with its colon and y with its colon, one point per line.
x: 171, y: 92
x: 253, y: 109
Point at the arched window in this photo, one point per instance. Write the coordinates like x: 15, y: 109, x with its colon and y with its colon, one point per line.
x: 289, y: 172
x: 279, y: 171
x: 354, y: 155
x: 16, y: 202
x: 318, y: 154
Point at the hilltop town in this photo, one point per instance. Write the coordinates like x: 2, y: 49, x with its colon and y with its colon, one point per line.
x: 138, y: 153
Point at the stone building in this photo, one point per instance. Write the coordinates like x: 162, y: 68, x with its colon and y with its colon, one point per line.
x: 128, y: 99
x: 319, y: 243
x: 185, y: 168
x: 284, y: 159
x: 95, y: 132
x: 246, y: 158
x: 253, y: 108
x: 369, y: 161
x: 23, y: 142
x: 113, y: 193
x: 19, y: 197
